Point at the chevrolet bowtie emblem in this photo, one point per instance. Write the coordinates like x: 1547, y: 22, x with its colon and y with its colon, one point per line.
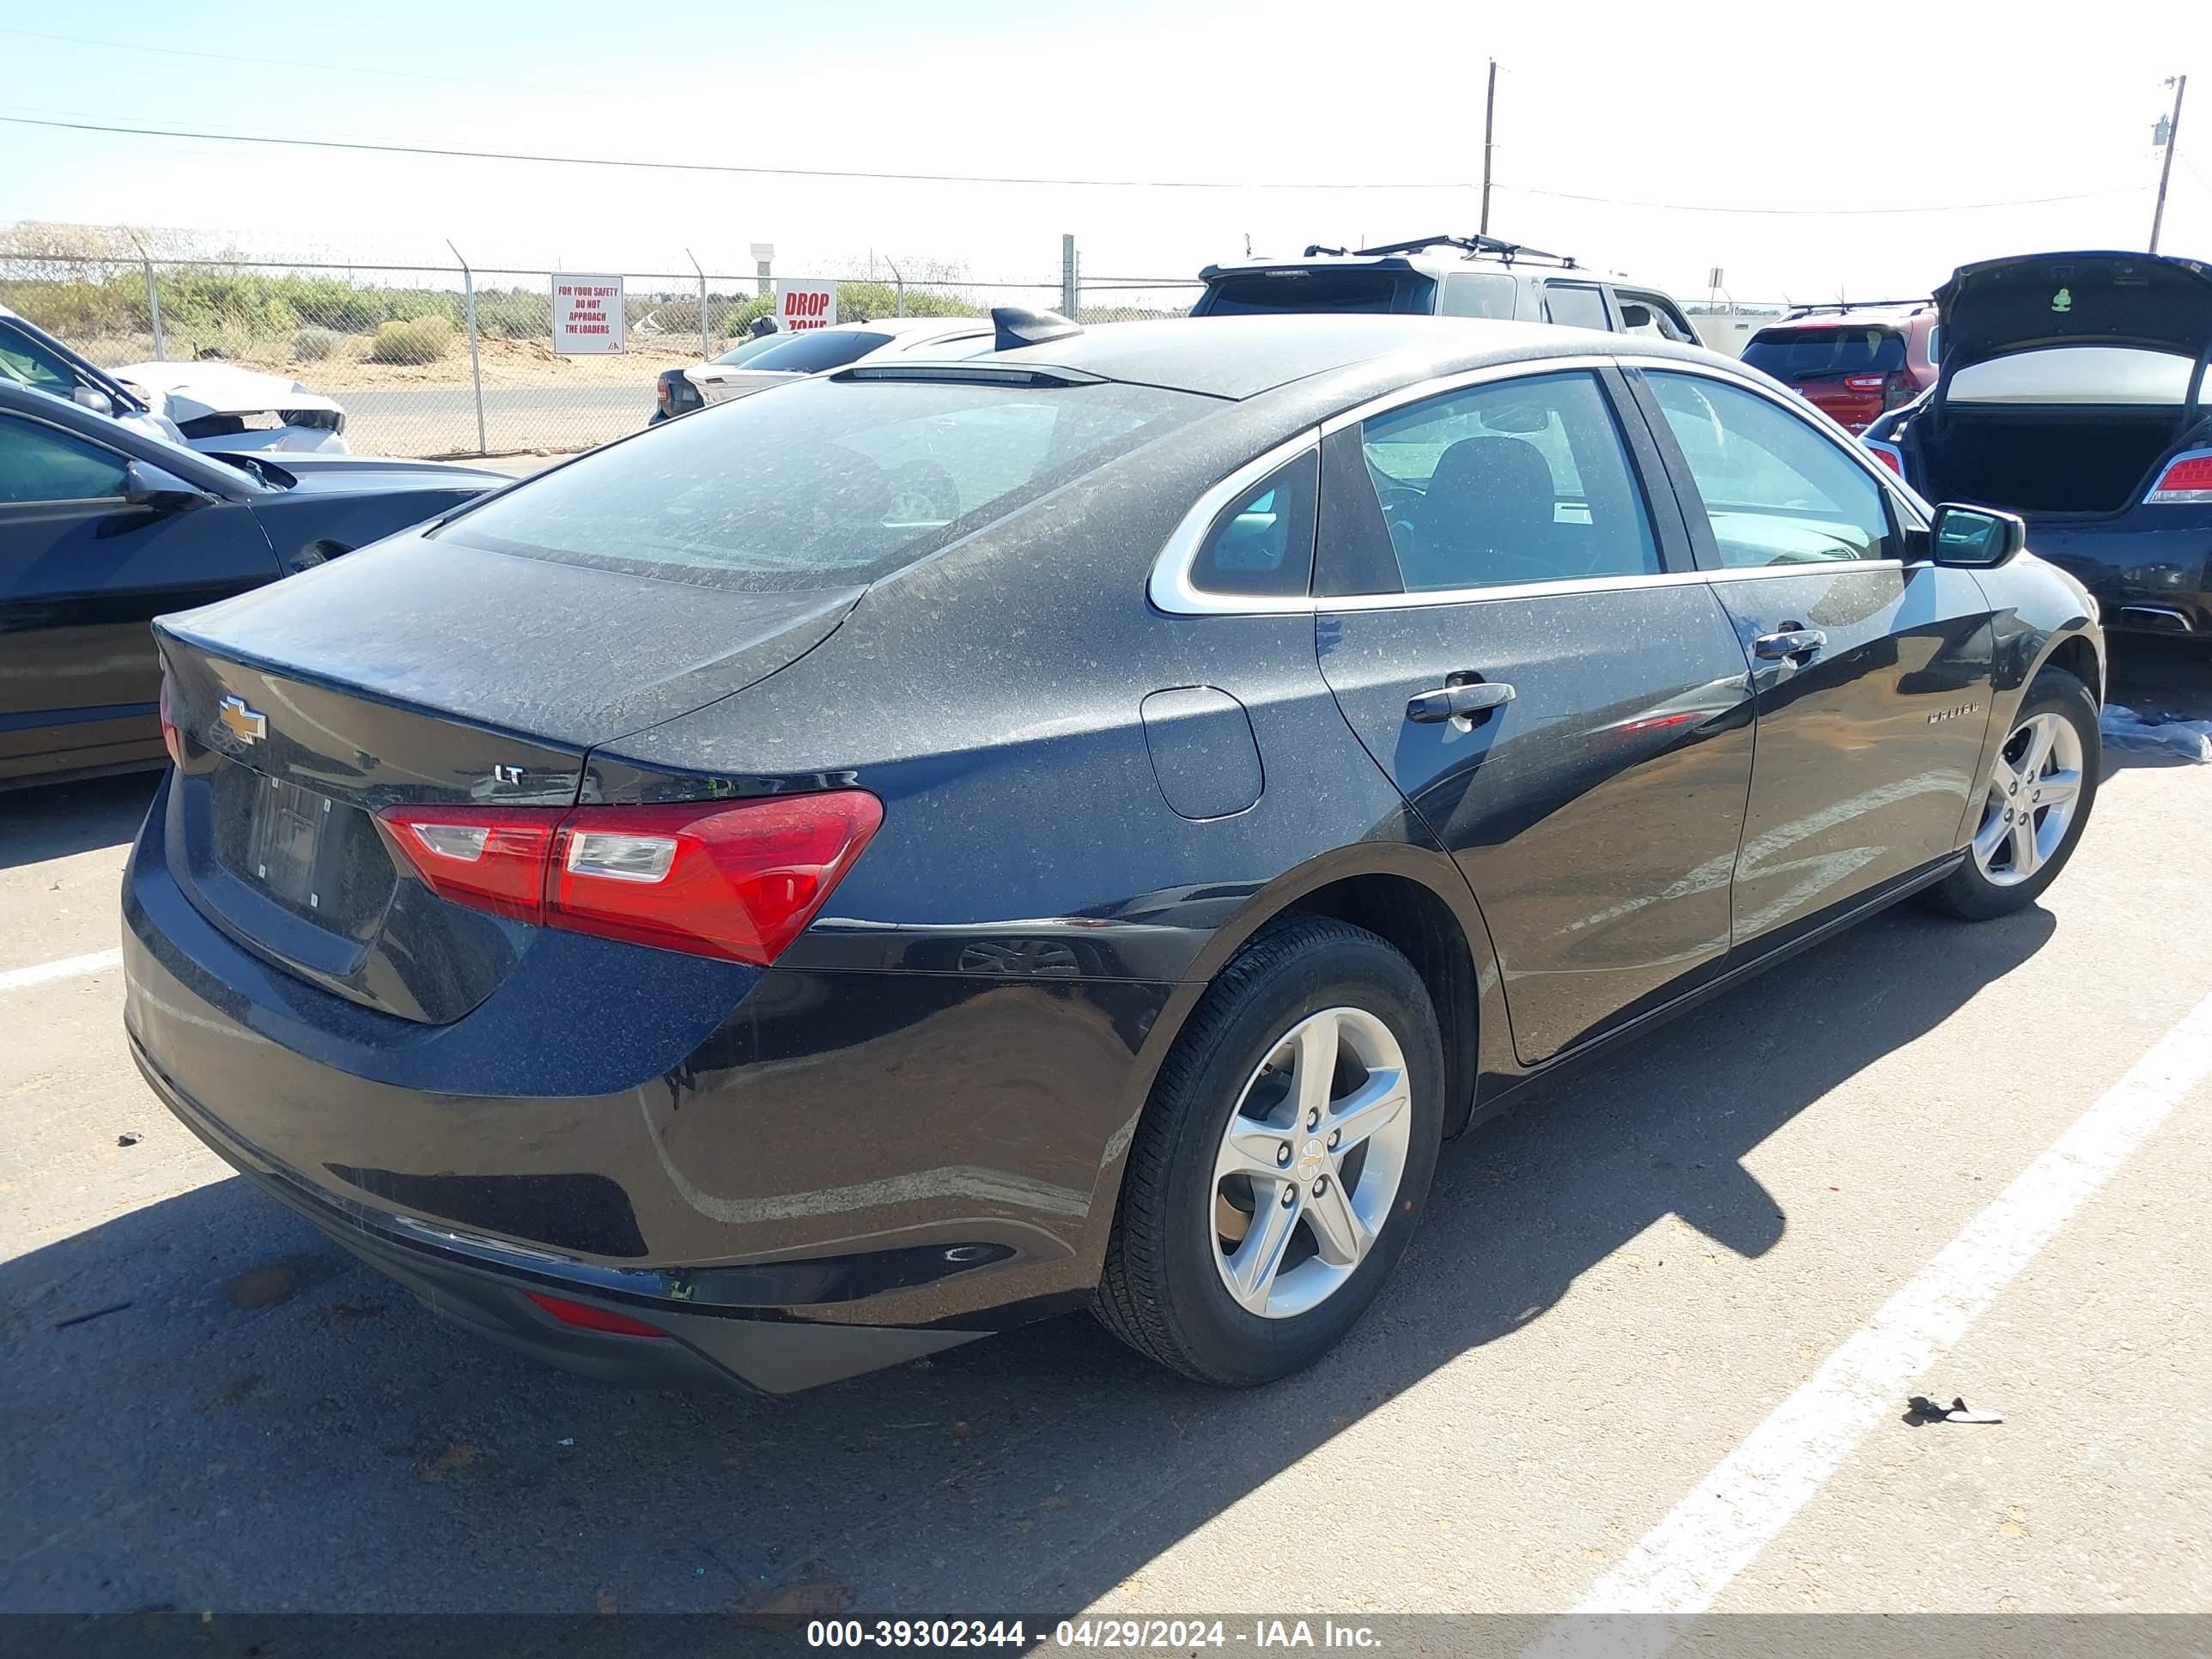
x: 247, y: 725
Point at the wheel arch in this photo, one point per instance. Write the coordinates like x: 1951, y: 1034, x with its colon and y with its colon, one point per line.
x: 1412, y: 895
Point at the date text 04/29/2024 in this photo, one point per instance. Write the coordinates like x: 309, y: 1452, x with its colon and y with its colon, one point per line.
x: 1184, y: 1635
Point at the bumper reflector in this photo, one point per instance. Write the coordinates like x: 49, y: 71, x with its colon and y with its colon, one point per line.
x: 587, y: 1318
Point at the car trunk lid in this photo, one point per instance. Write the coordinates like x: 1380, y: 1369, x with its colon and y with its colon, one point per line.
x: 2004, y: 306
x: 416, y: 672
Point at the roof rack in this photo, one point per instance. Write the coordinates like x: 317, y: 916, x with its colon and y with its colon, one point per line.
x: 1474, y: 247
x: 1842, y: 306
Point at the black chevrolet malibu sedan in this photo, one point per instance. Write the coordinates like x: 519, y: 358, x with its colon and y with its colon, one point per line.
x: 937, y: 846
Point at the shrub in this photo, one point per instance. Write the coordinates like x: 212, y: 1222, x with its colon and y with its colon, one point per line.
x: 424, y: 340
x: 312, y: 345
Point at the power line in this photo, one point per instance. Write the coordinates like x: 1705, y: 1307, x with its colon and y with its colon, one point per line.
x: 365, y: 146
x: 720, y: 167
x: 297, y: 62
x: 1821, y: 212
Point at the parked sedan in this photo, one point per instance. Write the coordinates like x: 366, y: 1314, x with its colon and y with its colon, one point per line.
x: 103, y: 525
x: 775, y: 359
x: 697, y: 920
x: 34, y: 359
x: 213, y: 406
x: 2073, y: 393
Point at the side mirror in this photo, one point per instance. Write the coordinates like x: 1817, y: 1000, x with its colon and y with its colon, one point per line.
x: 1975, y: 537
x: 92, y: 398
x: 147, y: 485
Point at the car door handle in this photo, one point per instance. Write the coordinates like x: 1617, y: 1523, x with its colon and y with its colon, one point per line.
x: 1458, y: 702
x: 1790, y: 645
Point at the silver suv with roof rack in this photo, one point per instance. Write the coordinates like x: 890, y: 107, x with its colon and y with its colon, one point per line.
x: 1444, y: 276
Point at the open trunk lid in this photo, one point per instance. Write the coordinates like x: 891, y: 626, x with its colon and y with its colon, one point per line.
x: 2025, y: 304
x: 415, y: 671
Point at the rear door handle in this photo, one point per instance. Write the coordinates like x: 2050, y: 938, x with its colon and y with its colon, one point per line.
x: 1791, y: 645
x: 1458, y: 702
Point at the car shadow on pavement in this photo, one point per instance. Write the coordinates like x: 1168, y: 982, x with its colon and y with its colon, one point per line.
x: 214, y: 1408
x: 54, y: 820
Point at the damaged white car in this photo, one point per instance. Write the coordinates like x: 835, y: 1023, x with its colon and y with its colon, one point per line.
x: 220, y: 407
x: 214, y: 406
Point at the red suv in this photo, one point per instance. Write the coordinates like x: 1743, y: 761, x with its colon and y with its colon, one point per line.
x: 1855, y: 363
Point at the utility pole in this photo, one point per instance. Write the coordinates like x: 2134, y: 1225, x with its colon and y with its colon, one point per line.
x: 1489, y: 119
x: 2180, y: 84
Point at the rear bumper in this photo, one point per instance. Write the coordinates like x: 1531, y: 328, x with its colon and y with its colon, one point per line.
x: 799, y: 1174
x: 2150, y: 570
x: 485, y: 1287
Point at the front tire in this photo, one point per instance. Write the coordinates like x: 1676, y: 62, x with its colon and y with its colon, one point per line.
x: 2034, y: 806
x: 1283, y: 1161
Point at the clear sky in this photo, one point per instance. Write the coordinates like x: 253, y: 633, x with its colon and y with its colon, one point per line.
x: 1825, y: 112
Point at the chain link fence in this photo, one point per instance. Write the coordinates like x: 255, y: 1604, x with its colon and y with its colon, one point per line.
x: 447, y: 361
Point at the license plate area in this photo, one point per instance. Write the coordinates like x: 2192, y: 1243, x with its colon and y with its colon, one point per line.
x: 285, y: 851
x: 313, y: 857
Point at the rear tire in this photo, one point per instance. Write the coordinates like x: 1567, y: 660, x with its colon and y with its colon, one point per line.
x: 1297, y: 1041
x: 2010, y: 860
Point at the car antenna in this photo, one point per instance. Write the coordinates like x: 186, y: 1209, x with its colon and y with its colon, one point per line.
x: 1016, y: 326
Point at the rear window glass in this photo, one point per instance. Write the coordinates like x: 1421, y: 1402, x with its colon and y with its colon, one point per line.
x: 821, y: 485
x: 1274, y: 292
x: 818, y: 349
x: 1816, y: 354
x: 750, y: 349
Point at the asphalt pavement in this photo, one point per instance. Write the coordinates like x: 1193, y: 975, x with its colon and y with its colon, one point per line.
x: 442, y: 420
x: 1619, y: 1288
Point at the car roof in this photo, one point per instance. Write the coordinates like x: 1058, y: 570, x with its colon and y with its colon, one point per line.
x: 1240, y: 357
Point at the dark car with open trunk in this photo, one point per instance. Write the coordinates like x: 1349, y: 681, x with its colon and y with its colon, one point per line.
x: 2072, y: 391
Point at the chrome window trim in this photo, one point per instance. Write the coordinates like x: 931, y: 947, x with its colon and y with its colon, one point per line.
x: 1171, y: 590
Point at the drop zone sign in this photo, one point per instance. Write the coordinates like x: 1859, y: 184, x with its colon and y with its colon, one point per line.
x: 587, y: 315
x: 800, y: 305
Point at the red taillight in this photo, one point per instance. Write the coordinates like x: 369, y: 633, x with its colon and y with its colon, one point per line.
x: 1888, y: 454
x: 706, y: 877
x: 1863, y: 382
x: 493, y: 858
x: 171, y: 739
x: 661, y: 393
x: 2187, y: 479
x: 586, y: 1317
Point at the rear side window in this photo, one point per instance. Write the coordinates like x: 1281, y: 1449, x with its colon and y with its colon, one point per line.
x: 1823, y: 354
x: 818, y: 349
x: 1521, y: 481
x: 1273, y: 292
x: 1479, y: 294
x: 824, y: 485
x: 1777, y: 489
x: 1572, y: 305
x: 1652, y: 315
x: 1263, y: 542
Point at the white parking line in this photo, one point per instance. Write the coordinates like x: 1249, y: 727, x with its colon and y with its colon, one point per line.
x: 1681, y: 1565
x: 15, y: 979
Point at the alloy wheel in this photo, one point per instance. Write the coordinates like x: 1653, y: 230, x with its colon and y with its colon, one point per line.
x: 1311, y: 1163
x: 2034, y: 790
